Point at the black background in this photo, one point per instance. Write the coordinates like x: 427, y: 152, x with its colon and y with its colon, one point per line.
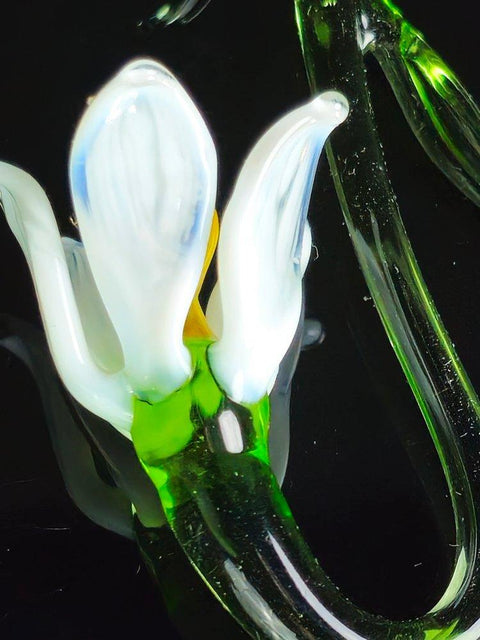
x: 376, y: 527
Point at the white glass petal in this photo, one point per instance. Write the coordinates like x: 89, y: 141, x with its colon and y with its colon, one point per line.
x: 214, y: 313
x: 31, y: 219
x: 102, y: 340
x: 143, y: 178
x: 264, y: 248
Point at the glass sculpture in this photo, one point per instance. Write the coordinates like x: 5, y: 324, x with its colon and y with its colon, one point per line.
x: 191, y: 390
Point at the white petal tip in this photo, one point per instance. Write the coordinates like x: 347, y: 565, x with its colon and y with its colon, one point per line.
x: 334, y: 103
x: 144, y: 71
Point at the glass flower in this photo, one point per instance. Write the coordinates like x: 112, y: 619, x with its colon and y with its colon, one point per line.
x: 124, y: 324
x: 143, y: 173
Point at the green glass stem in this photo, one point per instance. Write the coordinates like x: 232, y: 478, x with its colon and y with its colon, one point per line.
x: 224, y: 505
x: 229, y: 515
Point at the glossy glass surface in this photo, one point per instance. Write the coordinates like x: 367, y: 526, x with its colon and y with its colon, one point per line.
x: 357, y: 434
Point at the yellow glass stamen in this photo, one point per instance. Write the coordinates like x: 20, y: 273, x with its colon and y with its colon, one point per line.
x: 196, y: 325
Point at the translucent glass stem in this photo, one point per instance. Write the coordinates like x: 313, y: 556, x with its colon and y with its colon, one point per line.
x: 232, y: 521
x: 207, y: 457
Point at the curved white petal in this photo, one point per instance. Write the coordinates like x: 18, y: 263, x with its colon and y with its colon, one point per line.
x: 264, y: 248
x: 143, y: 179
x: 100, y: 335
x: 214, y: 313
x: 31, y: 219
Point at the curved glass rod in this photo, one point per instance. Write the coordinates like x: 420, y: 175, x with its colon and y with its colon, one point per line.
x: 335, y: 37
